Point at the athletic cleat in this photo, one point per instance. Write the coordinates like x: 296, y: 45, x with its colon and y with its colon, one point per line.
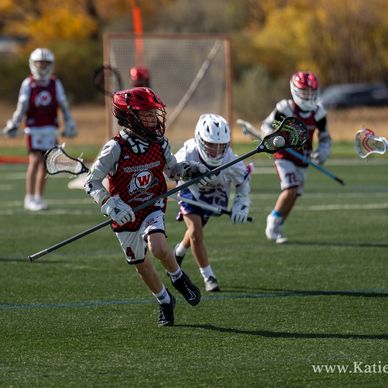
x: 41, y: 204
x: 188, y: 289
x: 166, y: 312
x: 281, y: 239
x: 31, y: 205
x: 211, y: 285
x: 34, y: 205
x: 273, y: 229
x: 179, y: 259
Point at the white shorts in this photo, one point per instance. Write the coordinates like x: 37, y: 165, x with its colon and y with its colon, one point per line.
x: 290, y: 175
x: 42, y: 138
x: 134, y: 244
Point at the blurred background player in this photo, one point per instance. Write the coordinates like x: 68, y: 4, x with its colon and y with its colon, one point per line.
x: 140, y: 76
x: 292, y: 171
x: 211, y: 146
x: 40, y: 95
x: 135, y: 162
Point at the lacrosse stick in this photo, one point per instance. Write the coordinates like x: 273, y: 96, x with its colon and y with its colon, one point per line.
x: 367, y: 143
x: 215, y: 209
x: 107, y: 80
x: 58, y: 161
x: 249, y: 129
x: 292, y: 130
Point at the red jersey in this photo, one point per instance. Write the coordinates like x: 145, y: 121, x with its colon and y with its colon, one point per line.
x: 139, y: 178
x: 43, y: 104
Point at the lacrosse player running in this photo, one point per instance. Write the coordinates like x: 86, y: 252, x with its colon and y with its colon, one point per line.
x: 135, y: 162
x: 211, y: 147
x: 292, y: 171
x: 40, y: 96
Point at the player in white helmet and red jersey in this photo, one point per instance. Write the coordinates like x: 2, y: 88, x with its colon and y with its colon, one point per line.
x: 211, y: 146
x: 136, y: 161
x: 41, y: 95
x: 292, y: 171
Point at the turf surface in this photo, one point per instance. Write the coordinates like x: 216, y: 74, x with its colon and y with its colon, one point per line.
x: 81, y: 317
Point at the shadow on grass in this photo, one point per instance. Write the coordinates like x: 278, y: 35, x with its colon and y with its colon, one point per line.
x: 24, y: 260
x: 281, y: 334
x: 255, y: 292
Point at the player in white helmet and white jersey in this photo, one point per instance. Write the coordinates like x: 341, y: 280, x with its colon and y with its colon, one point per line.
x: 211, y: 146
x: 40, y: 96
x: 292, y: 171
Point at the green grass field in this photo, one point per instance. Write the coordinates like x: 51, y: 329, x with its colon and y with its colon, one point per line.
x: 80, y: 316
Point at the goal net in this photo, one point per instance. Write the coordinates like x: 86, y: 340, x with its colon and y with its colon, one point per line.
x: 190, y: 73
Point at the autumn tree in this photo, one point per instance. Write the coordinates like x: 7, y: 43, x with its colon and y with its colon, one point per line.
x: 341, y: 41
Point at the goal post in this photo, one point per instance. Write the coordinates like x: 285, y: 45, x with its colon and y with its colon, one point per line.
x: 190, y: 72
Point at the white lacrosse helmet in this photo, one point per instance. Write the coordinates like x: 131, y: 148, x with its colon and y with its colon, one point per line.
x: 41, y: 64
x: 212, y: 135
x: 304, y: 90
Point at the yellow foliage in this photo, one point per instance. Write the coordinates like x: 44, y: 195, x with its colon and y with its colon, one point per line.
x: 62, y: 24
x: 339, y: 40
x: 6, y: 6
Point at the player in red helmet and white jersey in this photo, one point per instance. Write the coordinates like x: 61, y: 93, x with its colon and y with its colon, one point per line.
x: 292, y: 172
x: 135, y: 162
x: 211, y: 146
x: 41, y: 95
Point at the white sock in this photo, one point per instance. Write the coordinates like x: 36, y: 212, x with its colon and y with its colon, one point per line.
x: 28, y: 197
x: 206, y: 272
x: 175, y: 275
x: 163, y: 297
x: 180, y: 250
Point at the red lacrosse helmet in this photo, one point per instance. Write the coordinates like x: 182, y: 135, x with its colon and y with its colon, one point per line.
x: 304, y: 90
x: 142, y: 111
x: 140, y: 76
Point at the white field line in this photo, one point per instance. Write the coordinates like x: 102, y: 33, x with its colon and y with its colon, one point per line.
x: 364, y: 206
x: 312, y: 208
x: 50, y: 212
x: 348, y: 196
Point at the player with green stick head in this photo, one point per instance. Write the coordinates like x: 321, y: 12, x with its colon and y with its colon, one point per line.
x: 292, y: 171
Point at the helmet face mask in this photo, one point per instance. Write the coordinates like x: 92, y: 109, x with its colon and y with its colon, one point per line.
x: 304, y: 88
x: 41, y: 63
x: 142, y: 112
x: 212, y: 135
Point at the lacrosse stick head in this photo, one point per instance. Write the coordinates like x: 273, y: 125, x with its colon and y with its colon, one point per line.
x: 366, y: 143
x: 107, y: 80
x: 58, y: 161
x: 291, y: 129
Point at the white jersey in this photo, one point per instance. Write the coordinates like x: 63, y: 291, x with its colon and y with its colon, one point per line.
x: 218, y: 192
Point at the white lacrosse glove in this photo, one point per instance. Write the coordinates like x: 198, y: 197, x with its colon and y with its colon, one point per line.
x: 69, y: 130
x: 319, y: 157
x: 118, y: 210
x: 239, y: 213
x: 207, y: 181
x: 10, y: 130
